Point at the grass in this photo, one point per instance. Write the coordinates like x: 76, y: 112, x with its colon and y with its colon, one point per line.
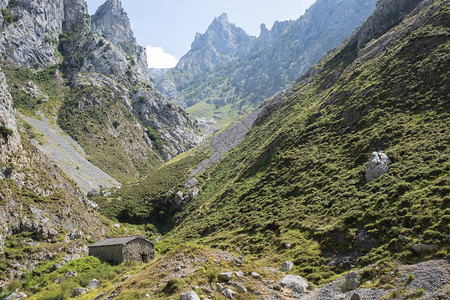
x: 143, y: 201
x: 106, y: 130
x: 299, y: 174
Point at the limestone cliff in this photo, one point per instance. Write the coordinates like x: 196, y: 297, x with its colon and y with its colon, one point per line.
x: 109, y: 57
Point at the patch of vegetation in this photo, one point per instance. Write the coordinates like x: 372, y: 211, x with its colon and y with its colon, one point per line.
x: 46, y: 283
x: 52, y: 92
x: 153, y: 135
x: 91, y: 116
x: 173, y: 285
x: 5, y: 132
x: 145, y: 201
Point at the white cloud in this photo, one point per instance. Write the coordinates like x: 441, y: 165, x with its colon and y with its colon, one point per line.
x: 158, y: 58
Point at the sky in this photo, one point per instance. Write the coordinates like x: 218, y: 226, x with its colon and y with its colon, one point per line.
x: 168, y: 27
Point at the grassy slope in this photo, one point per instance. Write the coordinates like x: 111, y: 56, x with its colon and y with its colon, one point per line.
x: 106, y: 130
x: 144, y: 201
x: 299, y: 175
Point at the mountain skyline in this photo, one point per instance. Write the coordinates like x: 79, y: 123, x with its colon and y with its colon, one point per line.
x: 167, y: 29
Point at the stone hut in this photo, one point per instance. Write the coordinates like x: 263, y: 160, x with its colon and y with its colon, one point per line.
x: 119, y: 250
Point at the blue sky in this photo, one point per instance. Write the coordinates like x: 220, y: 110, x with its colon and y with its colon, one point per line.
x: 168, y: 27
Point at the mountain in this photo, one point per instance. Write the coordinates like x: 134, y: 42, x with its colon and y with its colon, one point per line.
x: 77, y: 115
x: 96, y: 87
x: 346, y: 170
x: 222, y: 43
x: 300, y: 174
x: 336, y: 188
x: 228, y: 73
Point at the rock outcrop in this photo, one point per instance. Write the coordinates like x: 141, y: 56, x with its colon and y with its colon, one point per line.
x: 112, y: 60
x: 30, y: 35
x: 111, y: 22
x: 377, y: 166
x: 295, y: 283
x: 9, y: 137
x: 189, y: 296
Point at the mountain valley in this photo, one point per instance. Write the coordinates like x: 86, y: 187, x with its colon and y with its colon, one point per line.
x: 325, y: 174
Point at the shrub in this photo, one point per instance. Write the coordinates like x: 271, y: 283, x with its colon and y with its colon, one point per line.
x: 173, y: 285
x: 5, y: 132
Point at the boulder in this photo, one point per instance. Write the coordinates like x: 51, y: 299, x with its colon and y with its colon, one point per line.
x: 93, y: 284
x: 71, y: 274
x: 423, y: 248
x: 294, y: 283
x: 225, y: 276
x: 192, y: 193
x: 79, y: 291
x: 47, y: 233
x: 219, y: 287
x: 352, y: 281
x: 288, y: 245
x: 239, y: 260
x: 239, y: 274
x: 254, y: 275
x: 125, y: 277
x: 178, y: 198
x: 377, y: 166
x: 191, y: 182
x: 189, y: 296
x: 76, y: 234
x: 13, y: 296
x: 229, y: 293
x: 117, y: 225
x: 287, y: 266
x: 92, y: 205
x: 240, y: 288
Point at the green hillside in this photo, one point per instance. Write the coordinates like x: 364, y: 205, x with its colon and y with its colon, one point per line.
x: 298, y: 177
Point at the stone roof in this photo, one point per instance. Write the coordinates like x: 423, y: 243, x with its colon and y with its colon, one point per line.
x: 118, y: 241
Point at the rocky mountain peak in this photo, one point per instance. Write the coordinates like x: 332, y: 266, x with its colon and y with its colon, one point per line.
x: 222, y: 19
x: 222, y: 35
x: 221, y: 43
x: 74, y: 11
x: 111, y: 21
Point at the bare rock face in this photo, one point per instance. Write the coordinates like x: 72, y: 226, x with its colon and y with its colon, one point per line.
x: 352, y: 281
x: 31, y: 37
x: 9, y: 137
x: 287, y: 266
x: 377, y: 166
x: 75, y: 12
x: 387, y: 14
x: 111, y: 21
x: 112, y: 59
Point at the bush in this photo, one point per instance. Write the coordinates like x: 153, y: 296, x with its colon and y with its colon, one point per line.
x: 5, y: 132
x: 173, y: 285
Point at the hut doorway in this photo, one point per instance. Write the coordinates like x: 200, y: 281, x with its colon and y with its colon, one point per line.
x: 144, y: 257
